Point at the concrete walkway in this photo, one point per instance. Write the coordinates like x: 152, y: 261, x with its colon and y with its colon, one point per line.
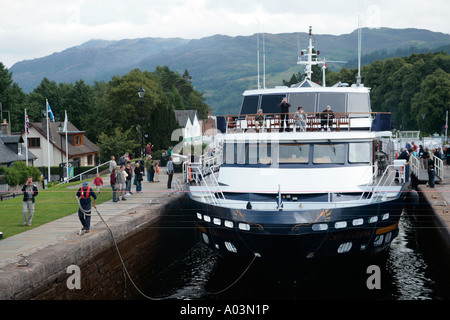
x: 439, y: 200
x: 16, y: 248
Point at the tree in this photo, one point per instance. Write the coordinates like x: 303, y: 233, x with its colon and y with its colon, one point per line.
x: 433, y: 100
x: 116, y: 144
x: 12, y: 99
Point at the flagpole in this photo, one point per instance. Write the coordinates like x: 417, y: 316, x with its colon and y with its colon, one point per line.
x: 48, y: 142
x: 67, y: 149
x: 26, y: 138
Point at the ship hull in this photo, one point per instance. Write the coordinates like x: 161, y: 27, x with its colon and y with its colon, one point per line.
x: 299, y: 234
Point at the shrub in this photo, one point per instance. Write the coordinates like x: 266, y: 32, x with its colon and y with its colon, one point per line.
x: 12, y: 177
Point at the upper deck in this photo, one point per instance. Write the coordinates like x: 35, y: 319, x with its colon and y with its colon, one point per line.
x: 350, y: 107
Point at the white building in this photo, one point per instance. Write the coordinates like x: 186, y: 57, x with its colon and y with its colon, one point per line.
x: 81, y: 150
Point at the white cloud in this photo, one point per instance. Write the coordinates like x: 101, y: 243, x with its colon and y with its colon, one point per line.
x: 31, y: 29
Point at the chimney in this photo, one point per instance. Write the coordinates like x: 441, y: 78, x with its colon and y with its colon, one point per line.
x: 5, y: 128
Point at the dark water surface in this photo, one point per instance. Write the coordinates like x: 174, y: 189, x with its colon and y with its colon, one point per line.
x: 413, y: 269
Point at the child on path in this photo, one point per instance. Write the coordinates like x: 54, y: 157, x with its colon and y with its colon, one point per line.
x: 98, y: 182
x: 157, y: 171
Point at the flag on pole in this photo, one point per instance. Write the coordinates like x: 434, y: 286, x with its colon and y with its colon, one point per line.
x: 27, y: 123
x: 27, y: 132
x: 65, y: 122
x: 67, y: 146
x: 49, y: 111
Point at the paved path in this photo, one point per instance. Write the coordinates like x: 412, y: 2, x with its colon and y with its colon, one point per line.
x: 439, y: 200
x: 14, y: 249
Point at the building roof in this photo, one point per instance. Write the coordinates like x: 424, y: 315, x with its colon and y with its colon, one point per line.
x: 182, y: 116
x: 55, y: 138
x: 7, y: 155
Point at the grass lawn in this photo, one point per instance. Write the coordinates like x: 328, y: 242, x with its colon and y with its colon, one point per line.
x: 51, y: 204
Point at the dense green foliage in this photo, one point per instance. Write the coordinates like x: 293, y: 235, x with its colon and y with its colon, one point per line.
x: 407, y: 87
x: 19, y: 173
x: 111, y: 113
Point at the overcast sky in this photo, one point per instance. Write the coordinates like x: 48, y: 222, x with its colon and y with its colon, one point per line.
x: 32, y: 29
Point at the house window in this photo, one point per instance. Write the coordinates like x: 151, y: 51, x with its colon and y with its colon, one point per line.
x: 34, y: 142
x: 89, y: 160
x: 78, y: 140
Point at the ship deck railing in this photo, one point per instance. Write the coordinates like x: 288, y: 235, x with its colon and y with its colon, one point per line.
x: 345, y: 121
x: 419, y: 168
x: 380, y: 188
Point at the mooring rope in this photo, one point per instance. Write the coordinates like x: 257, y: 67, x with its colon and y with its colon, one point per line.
x: 87, y: 213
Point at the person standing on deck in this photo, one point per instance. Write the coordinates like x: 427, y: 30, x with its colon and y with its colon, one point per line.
x: 284, y: 108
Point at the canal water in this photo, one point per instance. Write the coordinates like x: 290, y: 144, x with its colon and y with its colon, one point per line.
x: 412, y: 269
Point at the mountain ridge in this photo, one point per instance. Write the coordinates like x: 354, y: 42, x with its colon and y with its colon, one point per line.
x: 221, y: 66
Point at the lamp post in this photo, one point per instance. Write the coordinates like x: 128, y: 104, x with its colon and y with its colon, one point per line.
x: 141, y: 93
x: 60, y: 128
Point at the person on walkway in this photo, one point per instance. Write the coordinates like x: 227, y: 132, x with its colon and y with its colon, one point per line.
x: 170, y: 172
x: 148, y: 165
x: 138, y: 174
x: 128, y: 179
x: 284, y: 108
x: 121, y: 181
x: 113, y: 182
x: 112, y: 164
x: 431, y: 172
x: 156, y: 179
x: 123, y: 159
x: 84, y: 195
x: 148, y: 149
x: 169, y: 151
x: 30, y: 191
x: 98, y: 182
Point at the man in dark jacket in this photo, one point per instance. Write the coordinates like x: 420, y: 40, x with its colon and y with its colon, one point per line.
x: 84, y: 194
x: 284, y: 106
x: 327, y: 117
x: 30, y: 191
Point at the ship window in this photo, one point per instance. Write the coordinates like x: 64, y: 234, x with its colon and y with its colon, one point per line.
x: 264, y: 153
x: 358, y: 102
x: 359, y: 152
x: 250, y: 105
x: 293, y: 153
x: 252, y: 153
x: 269, y: 103
x: 228, y: 155
x: 240, y: 152
x: 329, y: 154
x: 305, y: 100
x: 258, y: 153
x: 335, y: 100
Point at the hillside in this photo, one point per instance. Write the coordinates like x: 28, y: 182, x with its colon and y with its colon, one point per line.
x: 221, y: 66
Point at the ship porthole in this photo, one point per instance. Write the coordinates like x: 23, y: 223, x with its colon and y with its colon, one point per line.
x: 388, y: 237
x: 230, y: 247
x: 345, y: 247
x: 378, y: 240
x: 320, y: 227
x: 340, y: 225
x: 205, y: 238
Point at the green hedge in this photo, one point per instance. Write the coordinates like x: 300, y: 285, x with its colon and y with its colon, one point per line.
x: 19, y: 173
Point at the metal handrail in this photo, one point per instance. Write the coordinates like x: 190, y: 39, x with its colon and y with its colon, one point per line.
x: 81, y: 174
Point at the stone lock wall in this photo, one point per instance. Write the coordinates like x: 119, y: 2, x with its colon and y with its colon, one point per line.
x: 148, y: 241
